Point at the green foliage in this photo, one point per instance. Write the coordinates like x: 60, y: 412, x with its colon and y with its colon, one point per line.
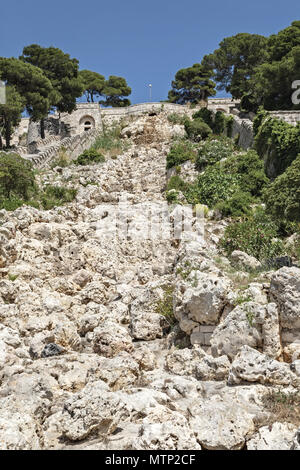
x: 89, y: 157
x: 61, y: 70
x: 54, y: 196
x: 277, y: 142
x: 164, y: 306
x: 228, y: 125
x: 270, y: 83
x: 214, y: 150
x: 219, y: 123
x: 282, y: 197
x: 16, y: 176
x: 180, y: 152
x: 10, y: 113
x: 255, y: 235
x: 235, y: 60
x: 93, y: 84
x: 250, y: 169
x: 236, y: 205
x: 109, y: 140
x: 115, y: 89
x: 31, y: 83
x: 192, y: 85
x: 176, y: 118
x: 206, y: 115
x: 197, y: 129
x: 172, y: 196
x: 177, y: 183
x: 212, y: 186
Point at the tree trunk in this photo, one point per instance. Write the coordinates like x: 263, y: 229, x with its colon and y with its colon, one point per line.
x: 42, y: 128
x: 7, y: 134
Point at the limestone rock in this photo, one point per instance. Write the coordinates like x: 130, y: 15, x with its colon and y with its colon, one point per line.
x: 110, y: 338
x: 243, y: 259
x: 252, y: 366
x: 278, y: 436
x: 285, y: 291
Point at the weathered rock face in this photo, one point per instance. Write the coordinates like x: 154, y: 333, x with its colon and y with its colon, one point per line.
x: 120, y: 340
x: 250, y: 365
x: 285, y: 291
x: 250, y: 324
x: 278, y: 436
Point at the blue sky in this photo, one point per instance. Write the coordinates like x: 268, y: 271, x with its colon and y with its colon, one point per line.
x: 144, y: 41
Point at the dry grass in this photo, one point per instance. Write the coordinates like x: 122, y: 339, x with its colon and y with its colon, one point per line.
x: 283, y: 407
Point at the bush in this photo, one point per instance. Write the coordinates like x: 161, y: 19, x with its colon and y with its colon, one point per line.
x: 213, y: 186
x: 181, y: 152
x: 54, y: 196
x: 109, y: 140
x: 197, y: 129
x: 250, y: 169
x: 205, y: 115
x: 213, y: 151
x: 16, y: 176
x: 237, y: 205
x: 229, y: 125
x: 282, y: 197
x: 219, y: 123
x: 89, y: 157
x: 255, y: 235
x: 277, y: 142
x: 177, y: 183
x: 175, y: 118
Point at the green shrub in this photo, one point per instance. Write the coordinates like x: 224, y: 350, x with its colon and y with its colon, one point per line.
x: 277, y: 142
x: 164, y: 306
x: 175, y: 118
x: 16, y: 176
x: 177, y: 183
x: 250, y: 169
x: 282, y: 197
x: 88, y: 157
x: 212, y: 186
x: 213, y: 151
x: 237, y: 205
x: 197, y: 129
x: 205, y: 115
x: 229, y: 125
x: 109, y: 140
x: 255, y: 235
x: 54, y: 196
x: 172, y: 196
x: 219, y: 123
x: 180, y: 152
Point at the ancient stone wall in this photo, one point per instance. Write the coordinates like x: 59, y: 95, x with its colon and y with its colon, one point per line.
x: 74, y: 146
x: 292, y: 117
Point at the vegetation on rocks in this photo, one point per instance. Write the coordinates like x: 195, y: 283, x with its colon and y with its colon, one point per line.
x: 18, y: 186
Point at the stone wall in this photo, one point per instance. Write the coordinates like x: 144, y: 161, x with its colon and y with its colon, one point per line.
x: 74, y: 146
x: 292, y: 117
x: 244, y: 129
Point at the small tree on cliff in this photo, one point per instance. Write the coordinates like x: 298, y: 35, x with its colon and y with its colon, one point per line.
x: 10, y: 114
x: 115, y: 90
x: 192, y: 85
x: 62, y: 71
x: 93, y: 84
